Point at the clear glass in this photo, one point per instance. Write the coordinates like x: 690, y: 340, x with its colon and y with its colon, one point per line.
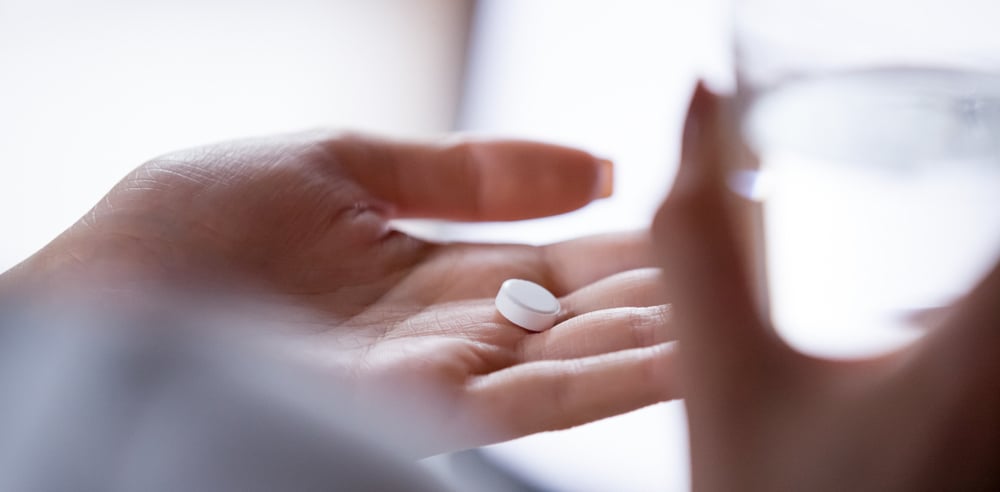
x: 875, y: 129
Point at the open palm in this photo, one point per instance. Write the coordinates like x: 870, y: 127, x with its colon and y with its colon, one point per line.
x: 302, y: 222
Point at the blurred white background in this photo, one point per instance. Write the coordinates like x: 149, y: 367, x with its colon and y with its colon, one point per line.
x: 90, y: 90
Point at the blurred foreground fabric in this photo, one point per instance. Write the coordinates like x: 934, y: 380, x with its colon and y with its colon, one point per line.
x: 156, y: 402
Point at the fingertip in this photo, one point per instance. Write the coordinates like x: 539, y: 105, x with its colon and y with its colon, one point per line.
x: 698, y: 191
x: 696, y: 165
x: 532, y: 179
x: 697, y: 108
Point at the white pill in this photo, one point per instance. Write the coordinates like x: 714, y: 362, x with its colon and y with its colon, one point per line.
x: 527, y: 304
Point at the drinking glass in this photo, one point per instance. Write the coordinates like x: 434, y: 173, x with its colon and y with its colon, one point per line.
x: 873, y: 128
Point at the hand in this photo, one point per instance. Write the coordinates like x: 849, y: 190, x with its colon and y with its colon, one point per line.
x: 302, y: 222
x: 764, y: 417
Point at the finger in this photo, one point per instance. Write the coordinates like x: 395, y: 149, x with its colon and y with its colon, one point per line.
x: 716, y: 319
x: 459, y: 271
x: 550, y: 395
x: 562, y: 267
x: 970, y: 339
x: 576, y: 263
x: 601, y: 332
x: 633, y: 288
x: 474, y: 180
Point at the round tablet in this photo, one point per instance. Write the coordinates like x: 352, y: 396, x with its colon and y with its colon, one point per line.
x: 527, y: 304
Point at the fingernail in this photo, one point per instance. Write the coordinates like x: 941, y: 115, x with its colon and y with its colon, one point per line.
x: 606, y: 179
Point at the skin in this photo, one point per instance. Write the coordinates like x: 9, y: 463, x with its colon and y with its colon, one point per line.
x: 764, y: 417
x: 299, y: 224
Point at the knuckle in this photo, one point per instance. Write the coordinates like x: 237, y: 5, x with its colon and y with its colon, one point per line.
x: 648, y: 324
x: 662, y: 314
x: 653, y: 371
x: 642, y: 328
x: 563, y: 396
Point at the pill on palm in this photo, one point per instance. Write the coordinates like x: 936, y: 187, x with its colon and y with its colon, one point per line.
x: 527, y: 304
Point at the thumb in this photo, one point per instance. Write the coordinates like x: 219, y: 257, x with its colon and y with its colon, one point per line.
x: 475, y: 180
